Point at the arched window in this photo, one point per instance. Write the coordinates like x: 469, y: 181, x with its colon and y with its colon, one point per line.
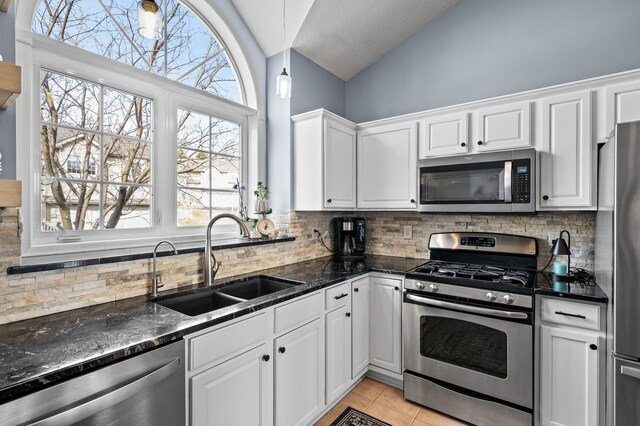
x: 136, y: 138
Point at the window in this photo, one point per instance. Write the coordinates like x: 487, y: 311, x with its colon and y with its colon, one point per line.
x: 131, y: 139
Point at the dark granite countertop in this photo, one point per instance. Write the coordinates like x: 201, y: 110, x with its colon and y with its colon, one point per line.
x: 551, y: 285
x: 37, y: 352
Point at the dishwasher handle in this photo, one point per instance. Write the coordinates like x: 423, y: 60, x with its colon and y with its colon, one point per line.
x: 630, y: 371
x: 109, y: 397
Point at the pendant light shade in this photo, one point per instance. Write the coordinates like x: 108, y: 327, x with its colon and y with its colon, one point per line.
x: 283, y: 85
x: 149, y: 20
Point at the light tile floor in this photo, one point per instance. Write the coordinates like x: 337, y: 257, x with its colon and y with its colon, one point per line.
x: 387, y: 404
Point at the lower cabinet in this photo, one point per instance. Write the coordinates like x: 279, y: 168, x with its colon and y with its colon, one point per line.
x: 338, y: 352
x: 236, y: 392
x: 385, y: 337
x: 299, y: 375
x: 359, y: 325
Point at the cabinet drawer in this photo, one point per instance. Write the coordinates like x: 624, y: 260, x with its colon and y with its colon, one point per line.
x: 337, y: 296
x: 298, y: 312
x: 219, y: 344
x: 571, y: 313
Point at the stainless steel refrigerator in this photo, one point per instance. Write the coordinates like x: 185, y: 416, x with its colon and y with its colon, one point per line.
x: 617, y: 258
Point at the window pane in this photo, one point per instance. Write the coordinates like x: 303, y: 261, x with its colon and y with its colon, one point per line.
x: 193, y: 207
x: 225, y: 137
x: 69, y: 154
x: 70, y: 101
x: 223, y: 202
x: 127, y: 206
x: 193, y: 168
x: 75, y: 205
x: 224, y: 172
x: 217, y: 77
x: 193, y: 130
x: 126, y: 114
x: 127, y: 161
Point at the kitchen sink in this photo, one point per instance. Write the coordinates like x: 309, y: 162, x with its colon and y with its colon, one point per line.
x: 257, y: 286
x: 199, y: 303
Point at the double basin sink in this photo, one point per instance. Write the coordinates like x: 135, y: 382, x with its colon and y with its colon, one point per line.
x: 231, y: 294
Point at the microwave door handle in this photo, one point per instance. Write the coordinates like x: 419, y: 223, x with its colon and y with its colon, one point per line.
x: 507, y: 181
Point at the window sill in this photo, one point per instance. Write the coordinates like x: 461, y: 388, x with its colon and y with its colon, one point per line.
x: 218, y: 245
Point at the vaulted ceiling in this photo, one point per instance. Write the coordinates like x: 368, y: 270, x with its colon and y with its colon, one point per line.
x: 342, y: 36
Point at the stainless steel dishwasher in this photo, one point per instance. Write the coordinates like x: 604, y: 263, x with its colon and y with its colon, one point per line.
x: 147, y: 389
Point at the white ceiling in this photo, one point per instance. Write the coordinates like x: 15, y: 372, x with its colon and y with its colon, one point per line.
x: 342, y: 36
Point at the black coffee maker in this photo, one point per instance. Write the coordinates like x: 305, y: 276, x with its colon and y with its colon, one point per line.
x: 348, y: 237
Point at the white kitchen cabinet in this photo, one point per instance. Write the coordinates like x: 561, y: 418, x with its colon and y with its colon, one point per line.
x: 299, y: 375
x: 324, y: 162
x: 236, y: 392
x: 360, y: 325
x: 622, y: 104
x: 338, y: 352
x: 387, y: 167
x: 444, y: 135
x: 505, y: 126
x: 569, y: 389
x: 567, y: 167
x: 385, y: 338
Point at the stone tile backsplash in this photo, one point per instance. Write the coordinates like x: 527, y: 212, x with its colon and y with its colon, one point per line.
x: 35, y: 294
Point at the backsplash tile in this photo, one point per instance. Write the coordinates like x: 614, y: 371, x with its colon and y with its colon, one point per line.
x: 35, y: 294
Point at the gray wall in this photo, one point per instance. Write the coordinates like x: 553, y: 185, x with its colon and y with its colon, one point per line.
x: 8, y: 117
x: 314, y: 87
x: 481, y: 49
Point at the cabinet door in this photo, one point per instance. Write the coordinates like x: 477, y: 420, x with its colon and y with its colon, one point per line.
x: 623, y: 104
x: 299, y: 375
x: 360, y: 325
x: 384, y: 332
x: 566, y: 163
x: 387, y: 163
x: 444, y: 135
x: 503, y: 127
x: 569, y: 376
x: 236, y: 392
x: 338, y: 352
x: 339, y: 166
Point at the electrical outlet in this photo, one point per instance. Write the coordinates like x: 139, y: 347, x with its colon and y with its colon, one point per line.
x: 408, y: 232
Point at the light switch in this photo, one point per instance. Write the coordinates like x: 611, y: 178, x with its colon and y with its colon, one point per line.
x: 408, y: 232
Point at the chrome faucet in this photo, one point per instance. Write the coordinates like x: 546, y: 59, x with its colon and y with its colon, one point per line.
x: 155, y: 286
x: 211, y: 265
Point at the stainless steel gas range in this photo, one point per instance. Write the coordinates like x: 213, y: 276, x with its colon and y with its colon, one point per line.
x: 468, y: 328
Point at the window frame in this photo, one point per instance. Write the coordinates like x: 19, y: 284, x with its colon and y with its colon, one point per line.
x: 166, y: 95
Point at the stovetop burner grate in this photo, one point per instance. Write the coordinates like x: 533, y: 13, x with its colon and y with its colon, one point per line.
x: 437, y: 268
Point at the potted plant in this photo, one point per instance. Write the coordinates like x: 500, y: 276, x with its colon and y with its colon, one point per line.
x: 262, y: 199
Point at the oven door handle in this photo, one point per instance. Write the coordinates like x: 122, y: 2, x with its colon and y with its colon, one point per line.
x: 466, y: 308
x: 507, y: 181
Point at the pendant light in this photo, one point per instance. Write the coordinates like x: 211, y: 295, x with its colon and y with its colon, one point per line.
x: 283, y: 83
x: 149, y: 20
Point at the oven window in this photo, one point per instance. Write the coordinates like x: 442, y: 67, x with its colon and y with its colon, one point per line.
x: 465, y: 344
x: 462, y: 185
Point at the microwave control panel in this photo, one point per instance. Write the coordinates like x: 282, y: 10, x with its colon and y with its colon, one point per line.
x: 521, y: 173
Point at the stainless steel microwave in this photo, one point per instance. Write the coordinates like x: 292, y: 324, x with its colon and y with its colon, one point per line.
x: 500, y: 182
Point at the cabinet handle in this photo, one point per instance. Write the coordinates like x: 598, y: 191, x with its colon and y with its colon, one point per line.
x: 348, y: 314
x: 266, y: 358
x: 480, y: 142
x: 356, y: 290
x: 593, y: 347
x: 571, y: 315
x: 463, y: 144
x: 341, y: 296
x: 396, y: 288
x: 545, y: 197
x: 329, y: 200
x: 413, y: 201
x: 282, y: 349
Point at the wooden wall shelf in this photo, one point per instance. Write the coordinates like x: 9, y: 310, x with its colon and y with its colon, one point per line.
x: 10, y: 193
x: 4, y: 5
x: 10, y: 83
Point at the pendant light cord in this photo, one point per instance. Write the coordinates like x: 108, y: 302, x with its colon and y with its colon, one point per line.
x: 284, y: 34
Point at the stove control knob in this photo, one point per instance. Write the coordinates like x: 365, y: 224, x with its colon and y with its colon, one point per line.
x: 507, y: 299
x: 433, y: 287
x: 491, y: 296
x: 420, y: 285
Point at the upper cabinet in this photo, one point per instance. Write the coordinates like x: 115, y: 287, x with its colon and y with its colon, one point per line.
x: 444, y: 135
x: 567, y: 169
x: 623, y: 104
x: 387, y: 166
x: 324, y: 162
x: 505, y: 126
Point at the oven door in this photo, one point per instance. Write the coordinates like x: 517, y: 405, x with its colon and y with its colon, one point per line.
x: 484, y: 350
